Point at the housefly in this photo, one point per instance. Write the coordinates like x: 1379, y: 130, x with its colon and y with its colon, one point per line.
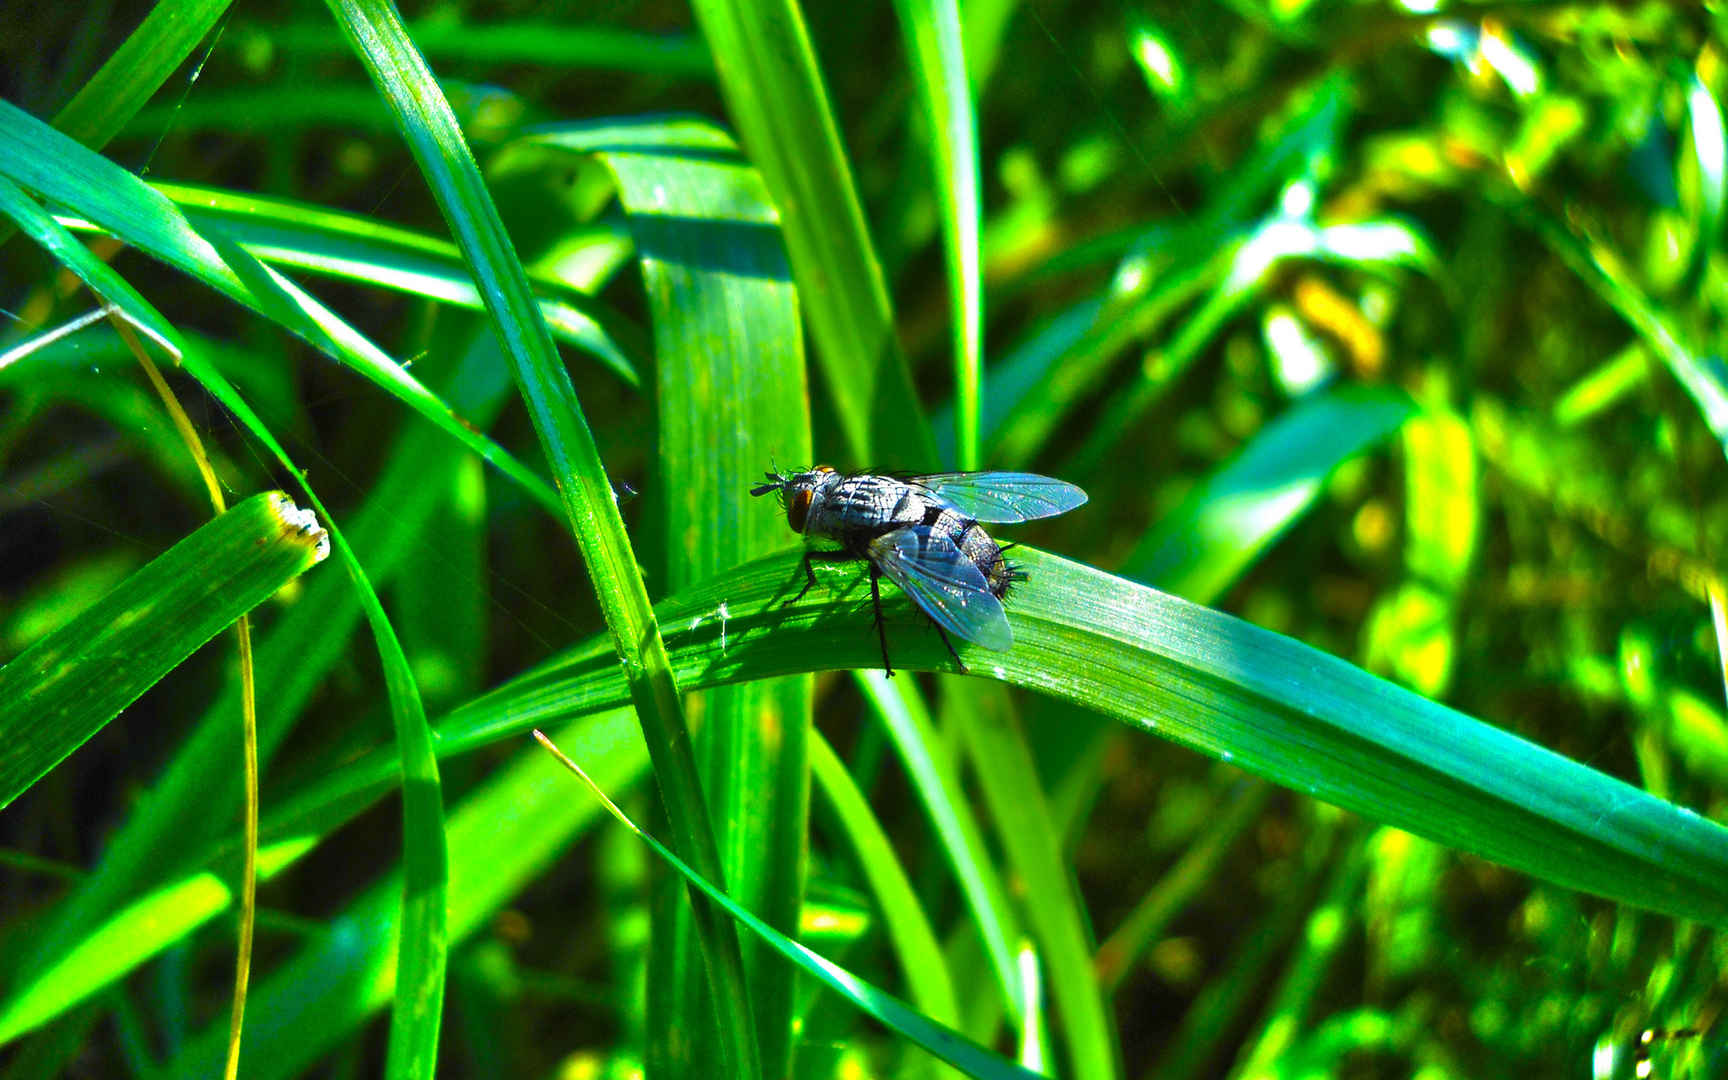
x: 924, y: 533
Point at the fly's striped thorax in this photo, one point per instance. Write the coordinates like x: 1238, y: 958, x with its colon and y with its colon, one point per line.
x: 866, y: 505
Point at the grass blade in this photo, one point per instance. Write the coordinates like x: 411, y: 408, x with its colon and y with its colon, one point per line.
x: 938, y: 62
x: 775, y: 97
x: 67, y: 686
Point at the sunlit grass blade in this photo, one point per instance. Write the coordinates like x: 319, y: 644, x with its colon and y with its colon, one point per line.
x: 944, y: 1042
x: 775, y: 97
x: 40, y: 159
x: 1203, y: 679
x: 588, y: 497
x: 1213, y: 683
x: 67, y: 686
x: 731, y: 400
x: 938, y: 64
x: 137, y: 69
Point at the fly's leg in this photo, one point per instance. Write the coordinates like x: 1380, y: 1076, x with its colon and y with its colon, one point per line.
x: 810, y: 572
x: 959, y: 663
x: 881, y: 634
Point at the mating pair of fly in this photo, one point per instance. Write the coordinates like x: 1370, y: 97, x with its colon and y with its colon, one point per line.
x: 923, y: 533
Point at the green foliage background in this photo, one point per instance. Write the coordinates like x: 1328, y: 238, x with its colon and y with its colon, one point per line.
x: 1394, y: 330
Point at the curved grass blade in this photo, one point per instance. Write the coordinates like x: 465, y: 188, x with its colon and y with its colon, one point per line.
x: 42, y: 160
x: 1213, y: 683
x: 426, y: 121
x: 67, y: 686
x: 942, y: 1041
x: 1208, y: 681
x: 775, y: 97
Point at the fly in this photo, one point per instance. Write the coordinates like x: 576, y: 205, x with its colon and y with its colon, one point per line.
x: 923, y: 532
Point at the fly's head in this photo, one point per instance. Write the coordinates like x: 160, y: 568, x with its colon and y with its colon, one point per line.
x: 798, y: 492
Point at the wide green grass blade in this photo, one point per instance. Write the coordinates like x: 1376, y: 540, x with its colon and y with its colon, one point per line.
x: 1213, y: 683
x: 731, y: 398
x: 588, y: 497
x: 938, y: 63
x: 942, y: 1041
x: 67, y: 686
x: 40, y: 159
x: 775, y: 97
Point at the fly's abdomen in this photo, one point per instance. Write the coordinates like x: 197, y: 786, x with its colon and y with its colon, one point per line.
x: 984, y: 553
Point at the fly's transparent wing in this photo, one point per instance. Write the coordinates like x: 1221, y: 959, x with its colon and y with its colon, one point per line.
x: 1003, y: 496
x: 945, y: 583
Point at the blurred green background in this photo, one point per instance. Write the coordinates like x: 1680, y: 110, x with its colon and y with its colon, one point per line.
x: 1393, y: 328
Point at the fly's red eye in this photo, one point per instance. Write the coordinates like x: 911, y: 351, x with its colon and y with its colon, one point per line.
x: 798, y: 509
